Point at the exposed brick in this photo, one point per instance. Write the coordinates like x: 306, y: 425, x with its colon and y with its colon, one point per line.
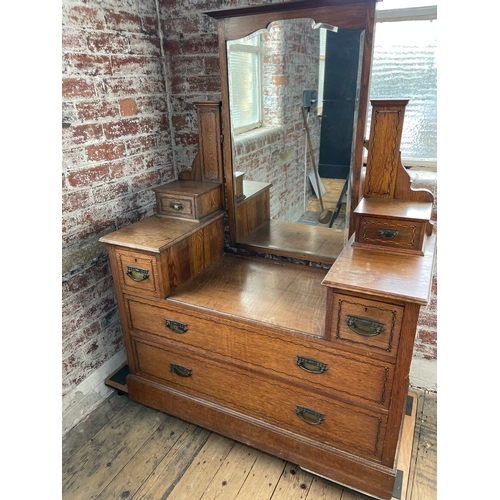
x: 212, y: 65
x: 105, y: 151
x: 108, y: 43
x: 97, y: 109
x: 179, y: 121
x: 88, y: 176
x: 427, y: 336
x: 134, y: 64
x: 74, y: 40
x: 140, y: 144
x: 150, y: 25
x: 80, y: 134
x: 91, y: 65
x: 426, y: 319
x: 75, y: 201
x: 146, y: 179
x: 128, y: 107
x: 201, y: 44
x: 121, y: 128
x: 108, y: 192
x: 77, y: 87
x: 426, y: 351
x: 209, y: 83
x: 144, y: 44
x: 126, y: 167
x: 117, y: 86
x: 85, y: 17
x: 123, y: 21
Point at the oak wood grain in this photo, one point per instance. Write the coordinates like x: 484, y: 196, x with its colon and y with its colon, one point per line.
x: 384, y: 273
x: 299, y: 241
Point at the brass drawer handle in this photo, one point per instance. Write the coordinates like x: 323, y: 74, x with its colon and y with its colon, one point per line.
x: 176, y: 326
x: 137, y: 273
x: 388, y: 234
x: 364, y: 326
x: 176, y: 205
x: 311, y: 365
x: 311, y: 417
x: 180, y: 370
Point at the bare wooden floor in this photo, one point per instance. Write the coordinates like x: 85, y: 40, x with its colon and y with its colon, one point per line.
x: 124, y: 450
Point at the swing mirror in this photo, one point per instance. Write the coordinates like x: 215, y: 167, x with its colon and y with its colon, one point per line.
x: 295, y: 90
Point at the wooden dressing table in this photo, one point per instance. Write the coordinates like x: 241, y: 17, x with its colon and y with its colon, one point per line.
x: 309, y: 363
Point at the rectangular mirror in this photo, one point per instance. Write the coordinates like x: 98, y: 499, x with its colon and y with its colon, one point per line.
x: 295, y: 92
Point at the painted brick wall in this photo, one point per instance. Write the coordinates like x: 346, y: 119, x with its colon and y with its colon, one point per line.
x: 127, y: 128
x: 116, y: 146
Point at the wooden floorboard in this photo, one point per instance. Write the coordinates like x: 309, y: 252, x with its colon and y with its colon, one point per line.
x: 124, y: 450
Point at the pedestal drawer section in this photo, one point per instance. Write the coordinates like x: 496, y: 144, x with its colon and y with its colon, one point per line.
x: 368, y: 325
x: 138, y: 271
x: 350, y: 375
x: 321, y: 419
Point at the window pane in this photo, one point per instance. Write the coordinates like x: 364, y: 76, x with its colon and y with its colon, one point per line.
x: 405, y: 66
x: 244, y: 88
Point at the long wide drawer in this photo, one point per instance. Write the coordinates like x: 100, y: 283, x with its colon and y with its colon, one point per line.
x: 349, y: 428
x: 349, y: 375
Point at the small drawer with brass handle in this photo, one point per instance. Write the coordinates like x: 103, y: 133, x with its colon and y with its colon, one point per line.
x: 188, y: 199
x: 364, y: 326
x: 388, y: 234
x: 137, y: 273
x: 403, y: 235
x: 368, y: 326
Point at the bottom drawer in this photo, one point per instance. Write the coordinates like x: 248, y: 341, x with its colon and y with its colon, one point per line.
x: 325, y: 420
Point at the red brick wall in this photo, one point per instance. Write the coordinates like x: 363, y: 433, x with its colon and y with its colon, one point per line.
x: 124, y: 131
x: 116, y: 145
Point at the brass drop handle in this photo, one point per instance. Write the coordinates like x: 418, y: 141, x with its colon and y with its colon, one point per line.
x: 137, y: 273
x: 364, y: 326
x: 311, y: 417
x: 176, y: 205
x: 176, y: 326
x: 180, y: 370
x: 311, y: 365
x: 388, y: 234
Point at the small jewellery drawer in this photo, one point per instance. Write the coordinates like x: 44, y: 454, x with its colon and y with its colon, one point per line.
x: 369, y: 325
x: 176, y: 205
x: 138, y: 271
x: 322, y: 419
x: 188, y: 199
x: 400, y: 234
x: 349, y: 375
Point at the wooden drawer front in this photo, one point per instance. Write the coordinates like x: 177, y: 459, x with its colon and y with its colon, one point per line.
x: 367, y: 324
x: 324, y: 420
x: 190, y: 207
x: 138, y: 271
x: 178, y: 206
x: 349, y: 375
x: 400, y: 234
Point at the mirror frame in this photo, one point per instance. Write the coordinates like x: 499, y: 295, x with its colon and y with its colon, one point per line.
x: 240, y: 22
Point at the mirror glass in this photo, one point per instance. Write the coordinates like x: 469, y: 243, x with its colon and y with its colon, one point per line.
x: 293, y: 91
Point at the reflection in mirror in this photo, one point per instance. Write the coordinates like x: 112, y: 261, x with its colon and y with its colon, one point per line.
x: 293, y: 92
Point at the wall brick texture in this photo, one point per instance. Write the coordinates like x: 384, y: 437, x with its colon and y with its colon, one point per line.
x: 129, y: 124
